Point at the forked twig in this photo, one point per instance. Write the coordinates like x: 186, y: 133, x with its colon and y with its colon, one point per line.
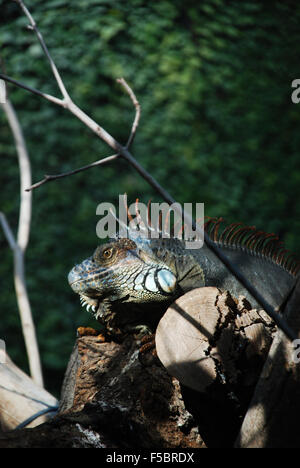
x: 18, y: 247
x: 137, y: 110
x: 48, y: 178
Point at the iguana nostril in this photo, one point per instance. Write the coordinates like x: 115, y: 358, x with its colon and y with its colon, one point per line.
x: 73, y: 276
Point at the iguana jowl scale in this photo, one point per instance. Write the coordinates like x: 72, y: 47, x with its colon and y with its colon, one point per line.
x: 130, y: 282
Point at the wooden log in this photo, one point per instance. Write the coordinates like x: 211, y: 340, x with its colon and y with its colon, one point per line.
x: 272, y: 420
x: 202, y: 333
x: 20, y: 397
x: 215, y: 346
x: 114, y: 398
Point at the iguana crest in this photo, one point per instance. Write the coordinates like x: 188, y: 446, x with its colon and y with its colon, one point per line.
x: 252, y: 241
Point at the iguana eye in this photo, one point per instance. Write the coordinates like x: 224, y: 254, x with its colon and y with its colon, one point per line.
x: 107, y: 253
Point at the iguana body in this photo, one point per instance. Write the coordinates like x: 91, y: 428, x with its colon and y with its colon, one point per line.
x: 130, y: 282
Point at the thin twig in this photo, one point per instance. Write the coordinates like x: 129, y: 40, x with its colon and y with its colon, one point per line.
x: 45, y: 49
x: 137, y: 110
x: 49, y: 97
x: 49, y: 178
x: 23, y: 304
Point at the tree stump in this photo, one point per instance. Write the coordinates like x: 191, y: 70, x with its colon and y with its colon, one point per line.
x: 272, y: 420
x: 215, y: 345
x: 111, y: 399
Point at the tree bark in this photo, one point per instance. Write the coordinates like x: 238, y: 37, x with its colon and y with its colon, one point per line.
x: 114, y: 398
x: 215, y: 345
x: 272, y: 420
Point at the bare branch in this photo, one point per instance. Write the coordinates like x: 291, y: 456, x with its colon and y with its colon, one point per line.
x: 25, y: 176
x: 74, y: 109
x: 18, y: 247
x: 49, y: 178
x: 45, y: 49
x: 50, y: 98
x: 137, y: 110
x: 24, y: 305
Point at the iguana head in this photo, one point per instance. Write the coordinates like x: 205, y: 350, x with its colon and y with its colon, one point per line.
x: 123, y: 270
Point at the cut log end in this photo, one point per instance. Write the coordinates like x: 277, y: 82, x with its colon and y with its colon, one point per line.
x: 203, y: 335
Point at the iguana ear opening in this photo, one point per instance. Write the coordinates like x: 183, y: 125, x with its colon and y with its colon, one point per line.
x: 188, y: 273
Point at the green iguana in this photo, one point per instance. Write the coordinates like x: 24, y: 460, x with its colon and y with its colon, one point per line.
x: 129, y: 282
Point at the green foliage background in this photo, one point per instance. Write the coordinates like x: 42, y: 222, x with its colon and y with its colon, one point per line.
x: 218, y: 126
